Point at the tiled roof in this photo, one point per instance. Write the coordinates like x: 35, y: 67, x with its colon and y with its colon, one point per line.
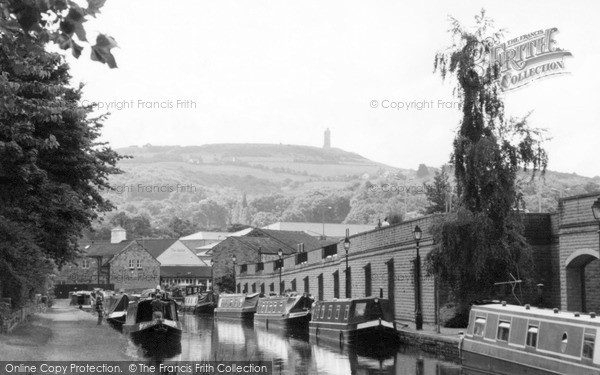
x: 156, y: 247
x: 104, y: 248
x: 267, y: 245
x: 185, y: 271
x: 288, y: 237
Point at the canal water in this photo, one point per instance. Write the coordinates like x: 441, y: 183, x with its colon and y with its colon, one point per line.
x: 205, y: 338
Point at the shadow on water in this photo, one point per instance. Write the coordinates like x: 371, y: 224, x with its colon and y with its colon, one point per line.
x: 291, y: 352
x: 158, y: 347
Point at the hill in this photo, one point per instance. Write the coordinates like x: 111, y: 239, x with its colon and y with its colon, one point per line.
x: 213, y: 186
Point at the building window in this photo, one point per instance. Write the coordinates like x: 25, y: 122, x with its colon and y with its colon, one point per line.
x: 138, y: 263
x: 262, y: 288
x: 85, y: 264
x: 243, y: 268
x: 294, y: 285
x: 254, y: 288
x: 532, y: 334
x: 301, y: 258
x: 368, y: 280
x: 245, y: 288
x: 588, y: 346
x: 503, y: 330
x: 336, y: 284
x: 330, y: 250
x: 131, y: 264
x: 320, y: 286
x: 479, y: 326
x: 272, y: 287
x: 260, y: 267
x: 306, y: 289
x: 564, y: 342
x: 239, y: 288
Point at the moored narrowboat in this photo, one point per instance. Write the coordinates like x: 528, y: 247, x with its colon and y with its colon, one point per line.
x: 509, y: 339
x: 153, y: 317
x: 116, y: 309
x: 83, y: 299
x: 349, y: 320
x: 283, y: 311
x: 237, y: 306
x: 207, y: 301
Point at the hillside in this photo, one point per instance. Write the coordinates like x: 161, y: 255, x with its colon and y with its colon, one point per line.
x: 212, y: 186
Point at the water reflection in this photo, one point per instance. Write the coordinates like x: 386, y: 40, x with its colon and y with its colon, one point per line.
x: 205, y: 338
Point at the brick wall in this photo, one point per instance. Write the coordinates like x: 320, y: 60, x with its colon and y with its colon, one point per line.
x: 137, y: 279
x: 396, y: 244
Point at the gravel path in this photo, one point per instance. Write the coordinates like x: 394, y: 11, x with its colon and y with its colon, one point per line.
x: 65, y: 333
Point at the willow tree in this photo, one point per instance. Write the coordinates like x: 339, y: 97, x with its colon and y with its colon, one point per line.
x: 481, y: 241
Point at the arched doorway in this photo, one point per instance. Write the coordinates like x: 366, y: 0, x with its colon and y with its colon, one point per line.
x: 583, y: 281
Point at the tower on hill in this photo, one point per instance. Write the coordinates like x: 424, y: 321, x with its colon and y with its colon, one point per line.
x: 327, y: 142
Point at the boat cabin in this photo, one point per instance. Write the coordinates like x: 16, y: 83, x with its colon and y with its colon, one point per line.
x: 283, y: 305
x: 237, y: 305
x: 352, y: 311
x: 549, y: 339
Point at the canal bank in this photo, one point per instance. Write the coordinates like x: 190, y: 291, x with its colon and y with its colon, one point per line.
x: 443, y: 345
x: 64, y: 332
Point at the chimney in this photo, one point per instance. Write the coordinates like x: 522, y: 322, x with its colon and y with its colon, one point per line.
x: 118, y: 234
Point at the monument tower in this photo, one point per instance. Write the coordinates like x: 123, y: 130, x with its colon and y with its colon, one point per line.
x: 327, y: 142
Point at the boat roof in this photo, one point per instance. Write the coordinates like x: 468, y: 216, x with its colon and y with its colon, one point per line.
x: 352, y: 299
x: 537, y: 312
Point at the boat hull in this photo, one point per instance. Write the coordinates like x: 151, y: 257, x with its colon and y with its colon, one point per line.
x: 287, y: 321
x: 207, y: 309
x: 156, y: 327
x: 377, y: 332
x: 234, y: 314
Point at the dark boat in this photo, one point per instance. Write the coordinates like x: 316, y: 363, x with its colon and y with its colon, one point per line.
x: 350, y: 320
x: 83, y: 299
x: 509, y: 339
x: 285, y: 312
x: 206, y: 303
x: 237, y: 306
x: 116, y: 309
x: 143, y: 319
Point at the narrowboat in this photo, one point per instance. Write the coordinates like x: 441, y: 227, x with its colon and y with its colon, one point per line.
x: 283, y: 311
x: 350, y: 320
x: 116, y: 309
x: 153, y: 317
x: 509, y: 339
x: 237, y: 306
x: 189, y: 303
x: 207, y: 301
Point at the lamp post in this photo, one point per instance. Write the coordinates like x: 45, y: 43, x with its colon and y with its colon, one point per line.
x: 212, y: 275
x: 280, y: 253
x: 596, y: 212
x: 234, y: 258
x: 417, y: 234
x: 347, y: 247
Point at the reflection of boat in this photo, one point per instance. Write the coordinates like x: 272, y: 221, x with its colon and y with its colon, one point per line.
x: 272, y: 343
x: 153, y: 317
x: 237, y: 306
x: 286, y: 312
x: 83, y: 299
x: 508, y: 339
x: 346, y: 320
x: 160, y: 348
x: 116, y: 308
x: 207, y: 301
x: 230, y: 333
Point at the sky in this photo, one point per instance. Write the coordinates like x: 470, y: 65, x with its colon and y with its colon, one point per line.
x: 195, y: 72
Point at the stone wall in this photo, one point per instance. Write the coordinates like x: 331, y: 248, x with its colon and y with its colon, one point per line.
x: 136, y: 279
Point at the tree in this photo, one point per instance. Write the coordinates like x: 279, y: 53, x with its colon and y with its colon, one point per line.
x: 52, y: 167
x: 482, y: 241
x: 422, y: 172
x: 439, y: 194
x: 57, y: 21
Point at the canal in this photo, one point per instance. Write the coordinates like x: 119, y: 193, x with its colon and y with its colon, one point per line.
x: 205, y: 338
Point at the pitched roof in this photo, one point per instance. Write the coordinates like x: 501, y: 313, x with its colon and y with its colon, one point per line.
x: 156, y: 247
x: 267, y: 245
x: 104, y: 248
x: 193, y: 244
x: 288, y: 238
x: 185, y: 271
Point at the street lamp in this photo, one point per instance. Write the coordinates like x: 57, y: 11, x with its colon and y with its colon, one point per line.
x: 280, y: 253
x: 347, y: 247
x: 596, y: 212
x: 212, y: 275
x: 418, y: 234
x: 234, y: 258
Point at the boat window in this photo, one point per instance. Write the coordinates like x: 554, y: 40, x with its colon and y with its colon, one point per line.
x: 337, y: 312
x: 280, y: 306
x: 503, y: 330
x: 588, y: 346
x: 346, y: 312
x: 479, y: 326
x: 329, y: 311
x: 360, y: 309
x: 565, y: 341
x: 322, y: 311
x: 532, y: 333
